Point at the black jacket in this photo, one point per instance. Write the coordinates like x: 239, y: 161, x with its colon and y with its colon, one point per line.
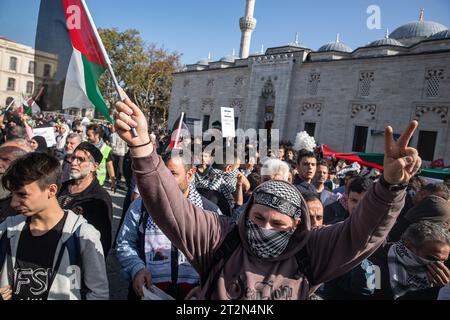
x: 334, y: 213
x: 303, y: 186
x: 95, y: 205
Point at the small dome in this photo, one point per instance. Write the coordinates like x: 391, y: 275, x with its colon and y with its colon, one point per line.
x: 296, y: 42
x: 204, y: 62
x: 444, y: 34
x: 417, y: 29
x: 229, y: 58
x: 386, y: 42
x: 335, y: 46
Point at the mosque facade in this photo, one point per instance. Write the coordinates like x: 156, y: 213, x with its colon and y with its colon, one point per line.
x: 341, y: 96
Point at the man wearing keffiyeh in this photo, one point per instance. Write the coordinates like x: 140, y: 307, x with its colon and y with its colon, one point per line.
x: 145, y: 254
x: 264, y: 264
x: 417, y: 262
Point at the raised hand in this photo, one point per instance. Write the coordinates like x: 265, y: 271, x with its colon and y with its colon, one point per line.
x: 400, y: 161
x: 128, y: 115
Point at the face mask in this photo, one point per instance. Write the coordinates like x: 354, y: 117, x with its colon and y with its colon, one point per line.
x: 267, y: 243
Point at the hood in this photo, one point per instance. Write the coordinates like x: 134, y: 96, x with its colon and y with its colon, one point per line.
x: 298, y: 239
x: 73, y: 221
x: 16, y: 224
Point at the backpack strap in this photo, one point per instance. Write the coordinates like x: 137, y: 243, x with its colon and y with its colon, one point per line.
x: 73, y: 249
x: 304, y: 266
x: 141, y: 236
x: 3, y: 245
x: 226, y: 249
x: 5, y: 255
x: 173, y: 289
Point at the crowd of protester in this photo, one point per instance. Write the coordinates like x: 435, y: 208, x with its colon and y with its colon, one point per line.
x: 294, y: 225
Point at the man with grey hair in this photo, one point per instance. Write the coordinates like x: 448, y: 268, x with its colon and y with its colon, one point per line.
x: 274, y: 169
x: 413, y: 268
x: 72, y: 142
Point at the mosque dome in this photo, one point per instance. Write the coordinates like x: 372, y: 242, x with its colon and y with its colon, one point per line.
x: 417, y: 29
x: 204, y: 62
x: 444, y: 34
x: 228, y: 58
x: 296, y: 43
x: 335, y: 46
x: 386, y: 41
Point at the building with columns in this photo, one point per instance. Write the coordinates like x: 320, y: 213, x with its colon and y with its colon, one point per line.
x: 19, y: 70
x: 343, y: 97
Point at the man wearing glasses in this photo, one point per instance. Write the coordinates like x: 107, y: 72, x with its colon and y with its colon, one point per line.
x: 84, y: 195
x: 72, y: 142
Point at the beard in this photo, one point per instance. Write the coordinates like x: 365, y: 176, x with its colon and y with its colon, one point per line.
x: 184, y: 186
x: 77, y: 175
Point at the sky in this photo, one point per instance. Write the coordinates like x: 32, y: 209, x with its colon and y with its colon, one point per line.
x: 196, y: 27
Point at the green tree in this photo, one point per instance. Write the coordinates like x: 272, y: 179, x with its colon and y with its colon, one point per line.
x: 143, y: 71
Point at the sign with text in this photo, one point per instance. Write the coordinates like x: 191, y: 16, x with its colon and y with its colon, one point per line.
x: 228, y: 125
x: 48, y: 134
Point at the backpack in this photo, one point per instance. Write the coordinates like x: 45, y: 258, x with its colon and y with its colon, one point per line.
x: 230, y: 244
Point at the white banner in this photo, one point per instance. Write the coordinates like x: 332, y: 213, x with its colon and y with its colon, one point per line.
x: 228, y: 125
x: 48, y: 134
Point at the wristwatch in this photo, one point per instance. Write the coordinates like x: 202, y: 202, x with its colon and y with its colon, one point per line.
x: 392, y: 187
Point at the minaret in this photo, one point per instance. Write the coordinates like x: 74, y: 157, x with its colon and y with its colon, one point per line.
x: 421, y: 15
x: 247, y: 24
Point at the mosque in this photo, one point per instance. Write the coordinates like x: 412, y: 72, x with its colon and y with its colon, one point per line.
x: 343, y: 97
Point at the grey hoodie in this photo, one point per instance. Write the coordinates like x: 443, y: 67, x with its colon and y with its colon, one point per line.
x: 67, y: 283
x: 333, y: 250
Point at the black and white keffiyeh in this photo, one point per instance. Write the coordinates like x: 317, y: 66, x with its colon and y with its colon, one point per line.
x: 195, y: 197
x: 217, y: 180
x: 267, y: 243
x: 407, y: 271
x: 280, y: 196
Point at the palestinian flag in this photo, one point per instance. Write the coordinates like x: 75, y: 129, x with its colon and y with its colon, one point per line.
x: 371, y: 160
x: 30, y: 107
x: 177, y: 132
x: 68, y: 57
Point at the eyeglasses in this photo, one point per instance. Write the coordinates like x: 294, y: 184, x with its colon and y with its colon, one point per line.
x: 79, y: 159
x: 78, y: 131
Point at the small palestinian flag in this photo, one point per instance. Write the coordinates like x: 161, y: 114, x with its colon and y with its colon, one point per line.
x: 68, y: 57
x: 30, y: 107
x: 177, y: 132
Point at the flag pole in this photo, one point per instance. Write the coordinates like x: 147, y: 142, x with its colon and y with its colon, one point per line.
x: 179, y: 130
x: 106, y: 57
x: 10, y: 105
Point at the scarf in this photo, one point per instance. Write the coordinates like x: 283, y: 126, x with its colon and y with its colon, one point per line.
x: 407, y: 271
x: 267, y: 243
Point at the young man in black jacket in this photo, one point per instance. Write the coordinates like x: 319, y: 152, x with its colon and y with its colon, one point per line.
x: 84, y: 195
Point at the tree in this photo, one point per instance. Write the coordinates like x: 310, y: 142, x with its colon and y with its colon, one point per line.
x: 143, y: 71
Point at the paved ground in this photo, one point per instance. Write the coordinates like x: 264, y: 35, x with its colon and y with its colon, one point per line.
x: 118, y: 286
